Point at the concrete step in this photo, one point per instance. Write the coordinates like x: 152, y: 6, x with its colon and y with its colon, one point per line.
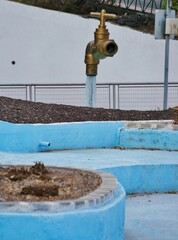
x: 163, y: 124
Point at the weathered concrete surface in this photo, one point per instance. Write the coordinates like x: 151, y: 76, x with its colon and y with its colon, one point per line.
x: 152, y: 217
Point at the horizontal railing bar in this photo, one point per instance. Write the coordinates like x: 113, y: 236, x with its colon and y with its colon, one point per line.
x: 67, y: 87
x: 14, y: 87
x: 83, y: 84
x: 146, y: 86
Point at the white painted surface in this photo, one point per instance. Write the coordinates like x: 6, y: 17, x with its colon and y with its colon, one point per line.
x: 49, y: 47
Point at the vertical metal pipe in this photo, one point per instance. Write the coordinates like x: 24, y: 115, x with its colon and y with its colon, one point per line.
x: 166, y: 72
x: 166, y: 64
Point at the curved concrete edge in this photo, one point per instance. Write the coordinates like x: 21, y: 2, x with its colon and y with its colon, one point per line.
x: 108, y: 189
x: 99, y: 223
x: 146, y: 178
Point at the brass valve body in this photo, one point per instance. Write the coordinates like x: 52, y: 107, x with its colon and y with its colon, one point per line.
x: 101, y: 47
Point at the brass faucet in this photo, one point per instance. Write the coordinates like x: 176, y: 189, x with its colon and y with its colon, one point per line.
x: 102, y: 46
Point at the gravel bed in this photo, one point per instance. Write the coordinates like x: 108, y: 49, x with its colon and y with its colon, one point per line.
x: 20, y: 111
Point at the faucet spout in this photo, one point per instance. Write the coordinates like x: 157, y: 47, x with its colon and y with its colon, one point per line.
x: 90, y: 60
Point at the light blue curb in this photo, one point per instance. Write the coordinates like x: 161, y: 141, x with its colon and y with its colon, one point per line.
x: 148, y: 139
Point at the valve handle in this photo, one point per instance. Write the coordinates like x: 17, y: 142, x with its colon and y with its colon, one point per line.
x: 103, y: 16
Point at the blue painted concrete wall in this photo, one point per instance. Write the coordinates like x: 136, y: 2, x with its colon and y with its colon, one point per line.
x: 35, y: 137
x: 102, y: 223
x: 27, y: 137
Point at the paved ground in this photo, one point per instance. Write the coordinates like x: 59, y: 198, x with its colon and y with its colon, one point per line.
x: 92, y: 158
x: 152, y: 217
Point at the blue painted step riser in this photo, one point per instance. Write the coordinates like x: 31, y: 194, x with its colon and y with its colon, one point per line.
x: 148, y: 139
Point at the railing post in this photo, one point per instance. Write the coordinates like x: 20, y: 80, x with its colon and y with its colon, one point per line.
x: 109, y: 96
x: 118, y: 96
x: 114, y: 96
x: 30, y: 92
x: 26, y: 92
x: 34, y: 93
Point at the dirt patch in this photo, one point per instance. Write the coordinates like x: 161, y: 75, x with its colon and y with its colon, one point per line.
x: 39, y: 183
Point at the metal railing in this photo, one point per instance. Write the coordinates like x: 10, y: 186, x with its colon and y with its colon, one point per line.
x: 140, y: 5
x: 138, y: 96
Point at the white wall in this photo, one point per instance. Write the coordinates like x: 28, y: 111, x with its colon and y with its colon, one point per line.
x: 49, y: 47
